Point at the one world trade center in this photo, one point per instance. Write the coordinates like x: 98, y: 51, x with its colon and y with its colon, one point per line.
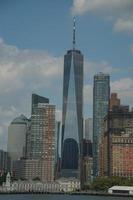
x: 72, y: 116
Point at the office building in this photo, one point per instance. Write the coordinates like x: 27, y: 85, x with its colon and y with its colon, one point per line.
x: 57, y: 148
x: 57, y: 141
x: 72, y: 116
x: 34, y: 140
x: 117, y: 144
x: 27, y: 169
x: 17, y: 132
x: 101, y: 95
x: 87, y: 162
x: 87, y: 174
x: 40, y: 145
x: 114, y: 101
x: 88, y: 129
x: 36, y: 99
x: 87, y: 148
x: 39, y: 160
x: 4, y: 162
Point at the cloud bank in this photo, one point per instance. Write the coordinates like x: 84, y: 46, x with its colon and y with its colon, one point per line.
x: 120, y: 11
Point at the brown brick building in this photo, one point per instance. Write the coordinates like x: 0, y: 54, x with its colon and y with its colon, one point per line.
x: 116, y: 148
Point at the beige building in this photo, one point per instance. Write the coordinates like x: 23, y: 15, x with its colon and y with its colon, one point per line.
x: 17, y: 131
x: 87, y: 170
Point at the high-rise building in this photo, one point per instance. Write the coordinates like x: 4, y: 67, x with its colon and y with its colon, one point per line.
x: 72, y: 117
x: 34, y: 140
x: 57, y: 140
x: 87, y: 148
x: 87, y: 174
x: 37, y: 99
x: 47, y: 124
x: 88, y: 129
x: 57, y: 148
x: 4, y: 162
x: 40, y: 145
x: 17, y: 132
x: 117, y: 144
x: 41, y: 139
x: 101, y: 95
x: 114, y: 101
x: 87, y: 162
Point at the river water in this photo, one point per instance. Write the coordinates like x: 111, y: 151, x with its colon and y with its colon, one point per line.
x: 58, y: 197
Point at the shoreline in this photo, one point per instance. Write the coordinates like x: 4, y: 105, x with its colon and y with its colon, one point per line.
x: 69, y: 193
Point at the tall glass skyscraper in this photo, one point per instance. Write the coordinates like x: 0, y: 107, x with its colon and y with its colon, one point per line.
x: 101, y: 95
x: 72, y: 117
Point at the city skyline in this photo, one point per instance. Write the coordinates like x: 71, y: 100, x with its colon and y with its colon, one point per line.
x: 31, y: 53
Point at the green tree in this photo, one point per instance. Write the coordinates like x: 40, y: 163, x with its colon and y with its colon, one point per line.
x: 36, y: 179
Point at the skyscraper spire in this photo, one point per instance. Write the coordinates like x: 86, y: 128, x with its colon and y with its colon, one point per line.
x: 74, y: 33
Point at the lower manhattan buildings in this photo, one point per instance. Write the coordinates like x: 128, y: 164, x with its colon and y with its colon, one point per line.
x: 43, y: 150
x: 40, y: 152
x: 72, y: 114
x: 117, y: 143
x: 101, y: 95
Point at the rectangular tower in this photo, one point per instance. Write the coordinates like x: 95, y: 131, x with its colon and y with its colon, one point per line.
x: 34, y: 135
x: 40, y: 160
x: 118, y: 143
x: 101, y: 95
x: 41, y: 139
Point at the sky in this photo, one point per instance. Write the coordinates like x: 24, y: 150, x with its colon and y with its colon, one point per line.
x: 35, y: 35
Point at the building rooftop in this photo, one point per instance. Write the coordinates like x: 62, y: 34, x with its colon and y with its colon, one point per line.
x: 20, y: 120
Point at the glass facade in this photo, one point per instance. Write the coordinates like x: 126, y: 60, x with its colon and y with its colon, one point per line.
x: 101, y: 95
x: 37, y: 99
x: 34, y: 139
x: 72, y: 118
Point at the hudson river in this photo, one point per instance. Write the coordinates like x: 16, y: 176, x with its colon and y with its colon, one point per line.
x: 58, y: 197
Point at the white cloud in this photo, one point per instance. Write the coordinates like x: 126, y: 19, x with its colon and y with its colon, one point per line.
x: 120, y: 11
x: 122, y: 84
x: 124, y: 25
x: 82, y: 6
x: 93, y: 67
x: 17, y: 67
x: 21, y: 73
x: 124, y: 88
x: 131, y: 49
x: 8, y: 112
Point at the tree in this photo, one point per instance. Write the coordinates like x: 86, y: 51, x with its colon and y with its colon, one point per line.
x: 36, y: 179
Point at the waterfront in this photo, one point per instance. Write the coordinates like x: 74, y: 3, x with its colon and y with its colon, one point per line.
x: 58, y: 197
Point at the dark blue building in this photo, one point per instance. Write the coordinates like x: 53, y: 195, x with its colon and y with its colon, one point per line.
x: 72, y: 117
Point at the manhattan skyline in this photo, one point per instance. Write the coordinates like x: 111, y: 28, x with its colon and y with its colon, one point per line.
x: 35, y: 36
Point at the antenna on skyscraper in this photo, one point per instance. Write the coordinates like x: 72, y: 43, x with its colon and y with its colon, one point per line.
x: 74, y: 28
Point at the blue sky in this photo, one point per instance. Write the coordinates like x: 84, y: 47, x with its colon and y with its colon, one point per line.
x: 35, y: 35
